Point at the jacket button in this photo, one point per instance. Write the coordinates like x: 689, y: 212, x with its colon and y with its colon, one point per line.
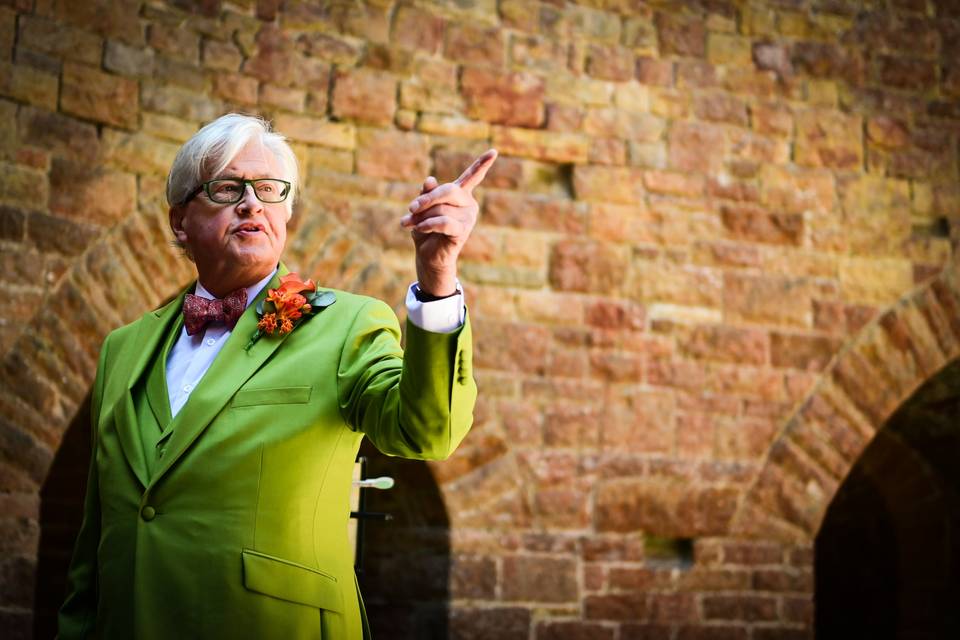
x: 148, y: 513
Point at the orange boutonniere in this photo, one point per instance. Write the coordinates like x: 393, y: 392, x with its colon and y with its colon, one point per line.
x: 285, y: 307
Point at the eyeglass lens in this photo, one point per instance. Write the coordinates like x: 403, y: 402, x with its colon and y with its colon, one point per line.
x: 228, y: 191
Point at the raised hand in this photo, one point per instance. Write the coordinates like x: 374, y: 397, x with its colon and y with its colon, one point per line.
x: 441, y: 219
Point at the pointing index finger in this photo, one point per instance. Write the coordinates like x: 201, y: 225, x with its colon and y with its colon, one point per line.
x: 477, y: 171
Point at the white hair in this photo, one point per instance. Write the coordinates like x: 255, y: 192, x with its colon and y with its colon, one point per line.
x: 212, y: 148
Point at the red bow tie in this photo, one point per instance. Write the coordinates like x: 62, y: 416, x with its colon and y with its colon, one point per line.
x: 198, y: 312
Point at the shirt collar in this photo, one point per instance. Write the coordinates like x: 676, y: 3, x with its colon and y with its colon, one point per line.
x: 252, y: 291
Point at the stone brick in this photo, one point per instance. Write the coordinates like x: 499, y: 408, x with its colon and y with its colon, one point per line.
x: 137, y: 153
x: 179, y: 102
x: 469, y: 43
x: 720, y: 107
x: 364, y: 95
x: 729, y: 49
x: 572, y: 630
x: 127, y: 60
x: 12, y: 224
x: 539, y: 579
x: 57, y: 235
x: 329, y: 48
x: 712, y: 632
x: 774, y: 57
x: 608, y: 184
x: 652, y: 71
x: 514, y: 99
x: 415, y: 28
x: 730, y: 344
x: 608, y: 151
x: 583, y: 266
x: 500, y: 623
x: 672, y: 183
x: 236, y: 88
x: 639, y: 32
x: 107, y: 18
x: 618, y: 607
x: 887, y: 132
x: 91, y: 194
x: 912, y: 75
x: 287, y: 98
x: 273, y: 58
x: 874, y: 281
x: 473, y: 577
x: 541, y: 145
x: 59, y: 40
x: 828, y: 139
x: 878, y: 213
x: 175, y: 42
x: 522, y: 211
x: 696, y: 147
x: 767, y: 299
x: 22, y: 186
x: 453, y: 126
x: 617, y: 123
x: 28, y: 85
x: 757, y: 225
x: 393, y: 155
x: 317, y: 131
x: 610, y: 62
x: 740, y: 607
x: 796, y: 351
x: 827, y: 60
x: 538, y: 53
x: 681, y: 35
x: 221, y: 56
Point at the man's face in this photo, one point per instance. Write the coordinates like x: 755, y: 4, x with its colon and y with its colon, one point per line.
x: 240, y: 241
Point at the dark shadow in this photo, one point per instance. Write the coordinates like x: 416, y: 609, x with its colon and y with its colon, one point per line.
x: 405, y: 577
x: 61, y: 510
x: 888, y: 553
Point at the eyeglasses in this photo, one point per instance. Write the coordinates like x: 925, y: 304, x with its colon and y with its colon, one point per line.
x: 231, y: 190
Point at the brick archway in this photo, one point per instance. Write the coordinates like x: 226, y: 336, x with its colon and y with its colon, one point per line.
x: 864, y: 384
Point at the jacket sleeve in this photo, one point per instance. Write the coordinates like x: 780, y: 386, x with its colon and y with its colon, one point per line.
x: 78, y: 615
x: 417, y: 404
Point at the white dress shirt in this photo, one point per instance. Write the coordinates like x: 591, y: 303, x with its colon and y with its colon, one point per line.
x: 191, y: 356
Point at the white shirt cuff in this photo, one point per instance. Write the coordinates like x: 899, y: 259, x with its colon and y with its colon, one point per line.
x: 440, y: 316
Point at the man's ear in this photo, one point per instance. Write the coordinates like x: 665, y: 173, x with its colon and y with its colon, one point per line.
x: 176, y: 213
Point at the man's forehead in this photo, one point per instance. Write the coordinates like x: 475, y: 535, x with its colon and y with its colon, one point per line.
x: 254, y: 160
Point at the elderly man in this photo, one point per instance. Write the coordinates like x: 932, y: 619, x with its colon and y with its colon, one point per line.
x: 225, y: 424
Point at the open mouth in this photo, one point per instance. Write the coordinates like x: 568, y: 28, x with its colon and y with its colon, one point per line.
x: 248, y: 229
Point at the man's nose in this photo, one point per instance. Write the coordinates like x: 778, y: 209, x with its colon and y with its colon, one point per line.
x: 249, y: 204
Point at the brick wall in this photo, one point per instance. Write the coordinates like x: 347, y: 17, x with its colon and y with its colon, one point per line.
x: 710, y: 261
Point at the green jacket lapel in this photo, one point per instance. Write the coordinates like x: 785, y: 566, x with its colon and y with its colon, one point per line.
x: 151, y: 330
x: 232, y: 367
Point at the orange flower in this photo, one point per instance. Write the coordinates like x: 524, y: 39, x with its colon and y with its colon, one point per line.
x: 268, y: 323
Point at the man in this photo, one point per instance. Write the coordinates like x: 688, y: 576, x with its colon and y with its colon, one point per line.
x: 224, y: 435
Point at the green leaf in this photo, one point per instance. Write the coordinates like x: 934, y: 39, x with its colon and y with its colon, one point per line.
x: 260, y: 307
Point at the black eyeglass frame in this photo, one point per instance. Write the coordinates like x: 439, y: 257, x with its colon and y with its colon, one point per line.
x: 205, y: 187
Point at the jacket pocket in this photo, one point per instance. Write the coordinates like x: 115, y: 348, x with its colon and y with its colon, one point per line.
x: 290, y: 581
x: 275, y: 395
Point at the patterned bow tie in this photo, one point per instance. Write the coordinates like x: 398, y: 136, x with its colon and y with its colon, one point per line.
x: 198, y: 312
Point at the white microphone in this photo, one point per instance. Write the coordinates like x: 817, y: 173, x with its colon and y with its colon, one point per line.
x: 384, y: 482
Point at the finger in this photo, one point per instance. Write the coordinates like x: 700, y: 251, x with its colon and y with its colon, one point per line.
x: 441, y: 224
x: 449, y: 193
x: 447, y: 210
x: 429, y: 185
x: 477, y: 171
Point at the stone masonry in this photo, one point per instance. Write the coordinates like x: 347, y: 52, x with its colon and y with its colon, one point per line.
x: 717, y: 252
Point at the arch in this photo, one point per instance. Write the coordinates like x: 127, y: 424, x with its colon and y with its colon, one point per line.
x: 864, y: 384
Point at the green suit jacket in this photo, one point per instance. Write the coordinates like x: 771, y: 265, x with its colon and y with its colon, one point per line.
x: 238, y: 529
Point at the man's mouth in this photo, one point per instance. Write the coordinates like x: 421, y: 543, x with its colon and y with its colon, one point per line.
x: 248, y: 228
